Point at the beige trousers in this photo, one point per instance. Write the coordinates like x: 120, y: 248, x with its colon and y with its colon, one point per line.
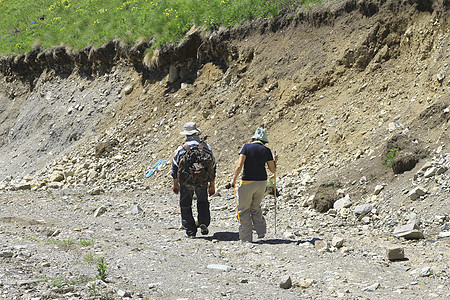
x: 249, y: 204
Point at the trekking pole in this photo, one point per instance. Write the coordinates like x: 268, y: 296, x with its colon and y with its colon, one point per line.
x: 235, y: 201
x: 237, y: 207
x: 275, y: 194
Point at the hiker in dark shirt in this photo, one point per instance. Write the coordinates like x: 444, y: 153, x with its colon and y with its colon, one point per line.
x: 253, y: 159
x: 186, y: 194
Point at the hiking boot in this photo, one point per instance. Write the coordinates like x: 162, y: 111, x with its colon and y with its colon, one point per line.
x: 204, y: 229
x: 261, y: 236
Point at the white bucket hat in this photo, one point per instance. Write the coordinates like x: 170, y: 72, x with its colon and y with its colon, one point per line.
x: 190, y: 128
x: 261, y: 135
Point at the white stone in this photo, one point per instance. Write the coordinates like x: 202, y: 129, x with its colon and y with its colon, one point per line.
x: 372, y: 287
x: 337, y: 242
x: 417, y: 192
x: 425, y: 167
x: 378, y: 189
x: 56, y: 176
x: 118, y: 157
x: 99, y: 211
x: 408, y: 231
x: 136, y: 209
x: 306, y: 283
x: 128, y: 89
x: 430, y: 172
x: 425, y: 272
x: 124, y: 294
x: 288, y: 235
x: 366, y: 220
x: 444, y: 234
x: 219, y: 267
x: 363, y: 209
x: 342, y: 203
x: 22, y: 186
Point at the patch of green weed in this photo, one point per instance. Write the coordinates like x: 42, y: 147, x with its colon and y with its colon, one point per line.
x: 101, y: 270
x: 58, y: 282
x: 61, y: 242
x: 89, y: 257
x: 86, y: 242
x: 390, y: 157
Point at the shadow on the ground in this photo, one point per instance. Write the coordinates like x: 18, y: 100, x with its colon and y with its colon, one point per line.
x: 284, y: 241
x: 234, y: 236
x: 275, y: 241
x: 224, y: 236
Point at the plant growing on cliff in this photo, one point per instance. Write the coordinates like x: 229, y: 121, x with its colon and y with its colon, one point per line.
x: 390, y: 157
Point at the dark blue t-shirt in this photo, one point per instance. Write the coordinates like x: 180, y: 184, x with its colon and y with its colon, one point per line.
x: 255, y: 162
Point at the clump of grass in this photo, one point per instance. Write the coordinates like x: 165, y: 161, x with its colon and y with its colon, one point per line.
x: 101, y: 270
x: 58, y: 282
x: 67, y: 242
x: 390, y: 157
x: 89, y: 257
x: 86, y: 242
x: 78, y: 24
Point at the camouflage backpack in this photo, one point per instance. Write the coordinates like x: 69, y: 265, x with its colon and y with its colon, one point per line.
x: 196, y: 167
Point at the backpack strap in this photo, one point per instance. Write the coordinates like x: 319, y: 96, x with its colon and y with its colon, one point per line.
x: 187, y: 147
x: 201, y: 145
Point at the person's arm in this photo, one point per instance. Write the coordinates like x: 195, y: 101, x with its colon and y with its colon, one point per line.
x: 212, y: 184
x: 176, y: 186
x: 238, y: 169
x: 272, y: 164
x: 212, y: 188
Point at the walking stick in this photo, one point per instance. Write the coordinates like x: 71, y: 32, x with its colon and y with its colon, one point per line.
x: 237, y: 207
x: 235, y: 201
x: 275, y: 195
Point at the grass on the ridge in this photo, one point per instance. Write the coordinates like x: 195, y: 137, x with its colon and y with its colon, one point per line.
x: 81, y: 23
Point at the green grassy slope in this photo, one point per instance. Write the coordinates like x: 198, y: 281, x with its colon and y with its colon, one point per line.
x: 25, y: 24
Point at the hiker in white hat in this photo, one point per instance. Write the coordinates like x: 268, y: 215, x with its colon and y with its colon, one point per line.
x: 253, y: 158
x: 193, y: 171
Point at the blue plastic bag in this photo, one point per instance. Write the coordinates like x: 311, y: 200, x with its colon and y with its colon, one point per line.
x: 157, y: 165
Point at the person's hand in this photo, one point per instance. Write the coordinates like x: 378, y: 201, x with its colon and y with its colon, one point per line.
x: 176, y: 188
x: 212, y: 189
x: 275, y: 157
x: 231, y: 184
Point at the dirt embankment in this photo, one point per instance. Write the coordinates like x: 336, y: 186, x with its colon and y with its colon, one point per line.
x: 328, y: 83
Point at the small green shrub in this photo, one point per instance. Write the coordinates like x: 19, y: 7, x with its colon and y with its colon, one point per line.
x: 390, y: 157
x: 101, y: 269
x: 86, y: 242
x: 58, y: 282
x: 89, y: 257
x: 67, y: 242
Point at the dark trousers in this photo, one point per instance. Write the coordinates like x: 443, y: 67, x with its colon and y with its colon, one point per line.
x: 203, y: 213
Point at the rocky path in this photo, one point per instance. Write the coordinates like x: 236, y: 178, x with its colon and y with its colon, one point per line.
x: 56, y: 245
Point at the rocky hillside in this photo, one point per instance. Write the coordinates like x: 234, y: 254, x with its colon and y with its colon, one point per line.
x: 333, y: 85
x: 354, y: 94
